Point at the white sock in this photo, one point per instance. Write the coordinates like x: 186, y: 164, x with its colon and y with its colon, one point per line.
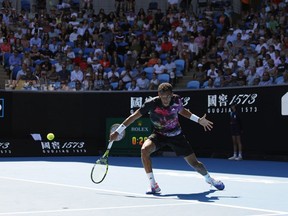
x: 240, y: 154
x: 235, y: 154
x: 207, y: 177
x: 151, y: 178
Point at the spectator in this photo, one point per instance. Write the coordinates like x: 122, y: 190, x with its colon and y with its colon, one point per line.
x: 154, y: 82
x: 143, y: 82
x: 76, y: 74
x: 99, y: 82
x: 159, y: 68
x: 5, y: 47
x: 251, y: 76
x: 170, y: 68
x: 130, y: 60
x: 212, y: 72
x: 36, y: 40
x: 265, y: 79
x: 133, y: 86
x: 126, y: 75
x: 14, y: 60
x: 52, y: 75
x: 113, y: 75
x: 199, y: 74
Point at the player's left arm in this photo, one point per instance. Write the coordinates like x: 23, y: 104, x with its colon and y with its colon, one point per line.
x: 207, y: 125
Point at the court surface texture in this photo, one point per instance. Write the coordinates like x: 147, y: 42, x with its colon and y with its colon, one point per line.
x: 61, y: 186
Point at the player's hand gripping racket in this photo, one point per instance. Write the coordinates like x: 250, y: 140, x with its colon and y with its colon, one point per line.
x: 100, y: 168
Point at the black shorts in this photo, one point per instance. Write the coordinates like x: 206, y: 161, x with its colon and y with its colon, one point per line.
x: 179, y: 144
x: 235, y: 130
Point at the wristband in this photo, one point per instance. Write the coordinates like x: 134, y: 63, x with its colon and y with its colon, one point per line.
x: 120, y: 129
x: 194, y: 118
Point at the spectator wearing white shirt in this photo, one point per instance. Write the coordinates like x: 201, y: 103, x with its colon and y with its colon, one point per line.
x: 193, y: 48
x: 260, y: 45
x: 212, y: 72
x: 70, y: 53
x: 36, y: 41
x: 73, y: 36
x: 170, y: 68
x: 81, y: 29
x: 126, y: 75
x: 240, y: 60
x: 231, y: 36
x: 113, y: 75
x: 76, y: 74
x: 159, y: 67
x: 143, y: 82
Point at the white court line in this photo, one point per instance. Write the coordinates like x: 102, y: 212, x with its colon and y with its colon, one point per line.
x: 265, y: 180
x: 272, y: 212
x: 89, y: 209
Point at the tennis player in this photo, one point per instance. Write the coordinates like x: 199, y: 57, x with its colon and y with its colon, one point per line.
x: 163, y: 111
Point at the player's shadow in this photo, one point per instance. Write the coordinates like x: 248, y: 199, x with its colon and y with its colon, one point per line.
x: 201, y: 197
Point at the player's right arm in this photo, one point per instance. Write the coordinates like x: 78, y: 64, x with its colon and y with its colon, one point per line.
x: 133, y: 117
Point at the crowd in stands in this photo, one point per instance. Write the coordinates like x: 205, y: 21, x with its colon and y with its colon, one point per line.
x: 69, y: 49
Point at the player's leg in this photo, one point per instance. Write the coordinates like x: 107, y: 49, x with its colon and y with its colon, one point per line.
x: 197, y: 165
x: 239, y: 146
x: 234, y: 141
x: 147, y: 149
x: 200, y: 168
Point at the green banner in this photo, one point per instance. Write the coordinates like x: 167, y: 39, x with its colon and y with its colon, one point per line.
x: 134, y: 138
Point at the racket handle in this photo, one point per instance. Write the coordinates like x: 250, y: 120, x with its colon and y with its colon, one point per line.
x: 110, y: 145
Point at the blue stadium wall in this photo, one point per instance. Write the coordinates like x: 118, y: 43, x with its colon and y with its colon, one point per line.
x: 79, y: 121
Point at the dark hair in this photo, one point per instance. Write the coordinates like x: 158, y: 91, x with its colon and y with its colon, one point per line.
x: 165, y: 87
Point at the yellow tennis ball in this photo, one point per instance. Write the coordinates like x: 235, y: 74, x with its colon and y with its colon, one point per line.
x: 50, y: 136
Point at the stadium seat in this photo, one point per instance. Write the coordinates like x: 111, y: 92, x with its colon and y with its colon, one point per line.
x: 128, y: 84
x: 114, y: 85
x: 149, y: 71
x: 180, y: 67
x: 279, y: 80
x: 193, y: 84
x: 163, y: 78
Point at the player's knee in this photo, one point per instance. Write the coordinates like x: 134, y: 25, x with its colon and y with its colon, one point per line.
x: 145, y: 151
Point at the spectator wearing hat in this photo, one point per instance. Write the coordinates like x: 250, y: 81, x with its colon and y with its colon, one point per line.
x: 73, y: 36
x: 199, y: 74
x: 130, y: 60
x: 87, y: 83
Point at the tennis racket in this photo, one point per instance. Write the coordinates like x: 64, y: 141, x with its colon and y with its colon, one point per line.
x: 100, y: 168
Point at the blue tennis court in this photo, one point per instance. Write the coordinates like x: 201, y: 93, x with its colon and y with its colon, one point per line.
x: 61, y: 186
